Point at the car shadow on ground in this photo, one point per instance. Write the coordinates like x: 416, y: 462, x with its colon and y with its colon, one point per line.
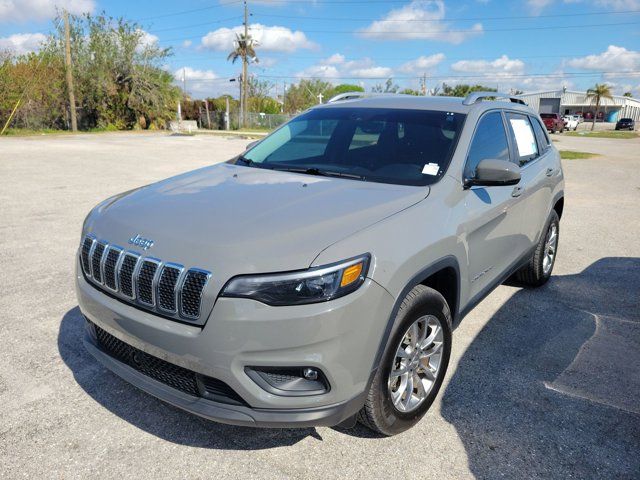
x: 549, y: 388
x: 520, y: 398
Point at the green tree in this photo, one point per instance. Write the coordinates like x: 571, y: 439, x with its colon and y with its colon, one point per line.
x: 388, y: 87
x: 627, y: 94
x: 595, y: 96
x: 410, y: 91
x: 244, y: 46
x: 344, y: 88
x: 462, y: 90
x: 305, y: 94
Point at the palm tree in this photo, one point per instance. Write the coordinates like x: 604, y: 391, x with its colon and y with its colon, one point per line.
x: 244, y: 47
x: 245, y: 50
x: 595, y: 95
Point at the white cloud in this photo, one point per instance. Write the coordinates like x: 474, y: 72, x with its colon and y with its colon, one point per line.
x: 420, y: 20
x: 500, y: 66
x: 619, y: 4
x: 36, y: 10
x: 147, y: 39
x: 21, y: 43
x: 422, y: 63
x: 269, y: 38
x: 201, y: 83
x: 337, y: 66
x: 194, y: 74
x: 614, y: 59
x: 537, y: 6
x: 186, y: 43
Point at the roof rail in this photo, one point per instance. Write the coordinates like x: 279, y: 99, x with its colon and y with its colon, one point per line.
x: 474, y: 97
x: 354, y: 95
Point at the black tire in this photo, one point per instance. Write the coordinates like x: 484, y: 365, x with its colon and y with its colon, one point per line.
x: 378, y: 413
x: 533, y: 274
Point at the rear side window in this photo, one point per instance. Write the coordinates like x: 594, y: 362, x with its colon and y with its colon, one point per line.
x: 523, y: 137
x: 541, y: 133
x: 489, y: 142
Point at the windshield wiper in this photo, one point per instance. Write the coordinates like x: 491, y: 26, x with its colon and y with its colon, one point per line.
x: 246, y: 161
x: 321, y: 173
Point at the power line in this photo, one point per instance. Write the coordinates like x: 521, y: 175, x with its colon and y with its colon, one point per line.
x: 184, y: 12
x: 493, y: 75
x: 449, y: 19
x: 237, y: 17
x: 427, y: 32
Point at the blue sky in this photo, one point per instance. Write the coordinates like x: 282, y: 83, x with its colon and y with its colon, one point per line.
x: 524, y: 45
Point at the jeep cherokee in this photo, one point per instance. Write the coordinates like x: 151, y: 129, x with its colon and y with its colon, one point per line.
x: 315, y: 279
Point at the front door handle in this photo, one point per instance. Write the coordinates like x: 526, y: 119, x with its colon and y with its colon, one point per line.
x: 517, y: 191
x: 550, y: 171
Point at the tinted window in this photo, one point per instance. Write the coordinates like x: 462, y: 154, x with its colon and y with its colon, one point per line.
x: 548, y: 115
x: 523, y: 137
x: 541, y: 133
x: 489, y: 142
x: 408, y: 147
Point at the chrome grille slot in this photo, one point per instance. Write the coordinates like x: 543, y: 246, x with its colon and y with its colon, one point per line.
x: 145, y: 280
x: 165, y: 288
x: 191, y: 292
x: 125, y: 274
x: 85, y: 254
x: 110, y: 261
x: 96, y: 261
x: 167, y: 293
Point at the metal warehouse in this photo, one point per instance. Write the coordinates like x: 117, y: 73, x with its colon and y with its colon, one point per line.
x: 568, y: 102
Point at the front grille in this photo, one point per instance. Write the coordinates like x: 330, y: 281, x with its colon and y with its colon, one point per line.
x: 145, y: 281
x: 167, y: 287
x: 192, y: 291
x: 125, y: 275
x: 96, y: 261
x: 174, y: 376
x: 148, y: 283
x: 110, y: 262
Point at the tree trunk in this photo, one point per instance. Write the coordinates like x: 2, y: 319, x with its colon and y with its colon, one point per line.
x: 595, y: 115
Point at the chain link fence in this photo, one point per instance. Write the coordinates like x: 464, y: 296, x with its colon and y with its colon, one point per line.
x: 258, y: 121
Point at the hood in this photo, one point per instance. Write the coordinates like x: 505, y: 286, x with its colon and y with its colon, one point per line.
x: 233, y: 220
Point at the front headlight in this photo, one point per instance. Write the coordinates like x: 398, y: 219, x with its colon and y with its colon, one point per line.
x: 318, y: 284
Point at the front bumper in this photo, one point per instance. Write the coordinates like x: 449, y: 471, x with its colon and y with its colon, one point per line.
x: 340, y: 338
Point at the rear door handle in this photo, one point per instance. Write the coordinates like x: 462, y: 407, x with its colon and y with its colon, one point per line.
x: 550, y: 171
x: 517, y: 191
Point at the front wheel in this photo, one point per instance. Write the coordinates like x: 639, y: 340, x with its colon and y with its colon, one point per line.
x: 540, y: 266
x: 413, y: 365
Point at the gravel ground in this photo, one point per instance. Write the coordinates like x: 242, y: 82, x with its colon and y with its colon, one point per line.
x: 542, y: 384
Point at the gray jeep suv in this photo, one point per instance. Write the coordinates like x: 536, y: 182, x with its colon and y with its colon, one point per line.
x: 316, y: 278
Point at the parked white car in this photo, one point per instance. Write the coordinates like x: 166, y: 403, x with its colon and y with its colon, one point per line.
x: 571, y: 122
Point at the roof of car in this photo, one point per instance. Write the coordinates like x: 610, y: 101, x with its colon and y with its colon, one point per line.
x: 413, y: 102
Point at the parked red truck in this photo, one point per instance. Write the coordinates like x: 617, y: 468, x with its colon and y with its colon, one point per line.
x: 553, y: 122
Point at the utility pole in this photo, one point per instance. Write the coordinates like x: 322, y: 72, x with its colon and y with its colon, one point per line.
x: 245, y: 62
x: 424, y: 84
x: 320, y: 98
x: 284, y: 93
x: 184, y: 82
x: 69, y: 72
x: 206, y: 106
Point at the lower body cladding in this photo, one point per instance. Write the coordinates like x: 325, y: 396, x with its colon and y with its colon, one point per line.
x: 251, y: 364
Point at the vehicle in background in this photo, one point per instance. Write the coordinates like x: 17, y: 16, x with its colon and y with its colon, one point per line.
x: 553, y: 122
x: 570, y: 122
x: 626, y: 124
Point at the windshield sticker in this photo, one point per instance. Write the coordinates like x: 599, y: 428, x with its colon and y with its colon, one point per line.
x: 524, y: 137
x: 431, y: 169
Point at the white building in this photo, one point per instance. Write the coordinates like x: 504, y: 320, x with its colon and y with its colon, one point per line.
x: 566, y: 102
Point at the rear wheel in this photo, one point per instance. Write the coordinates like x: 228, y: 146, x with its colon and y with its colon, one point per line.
x: 540, y: 266
x: 413, y: 365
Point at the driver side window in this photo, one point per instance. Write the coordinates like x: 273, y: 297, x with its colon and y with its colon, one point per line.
x: 489, y: 142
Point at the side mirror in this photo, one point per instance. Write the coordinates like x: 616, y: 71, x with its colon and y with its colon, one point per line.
x: 253, y: 144
x: 492, y: 172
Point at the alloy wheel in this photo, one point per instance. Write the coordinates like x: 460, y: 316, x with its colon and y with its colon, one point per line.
x: 550, y: 247
x: 416, y: 364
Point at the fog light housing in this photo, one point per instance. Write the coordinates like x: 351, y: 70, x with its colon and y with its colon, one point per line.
x: 289, y: 381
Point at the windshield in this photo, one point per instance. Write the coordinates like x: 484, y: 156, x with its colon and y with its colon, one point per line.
x: 407, y: 147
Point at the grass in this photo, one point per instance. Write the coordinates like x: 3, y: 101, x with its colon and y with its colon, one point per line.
x: 604, y: 134
x: 571, y: 155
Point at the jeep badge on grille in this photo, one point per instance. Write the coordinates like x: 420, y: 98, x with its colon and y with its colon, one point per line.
x: 141, y: 242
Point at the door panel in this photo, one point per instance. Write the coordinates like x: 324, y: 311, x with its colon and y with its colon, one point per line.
x: 491, y: 229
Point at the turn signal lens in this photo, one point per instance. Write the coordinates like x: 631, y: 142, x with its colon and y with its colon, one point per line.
x: 351, y: 274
